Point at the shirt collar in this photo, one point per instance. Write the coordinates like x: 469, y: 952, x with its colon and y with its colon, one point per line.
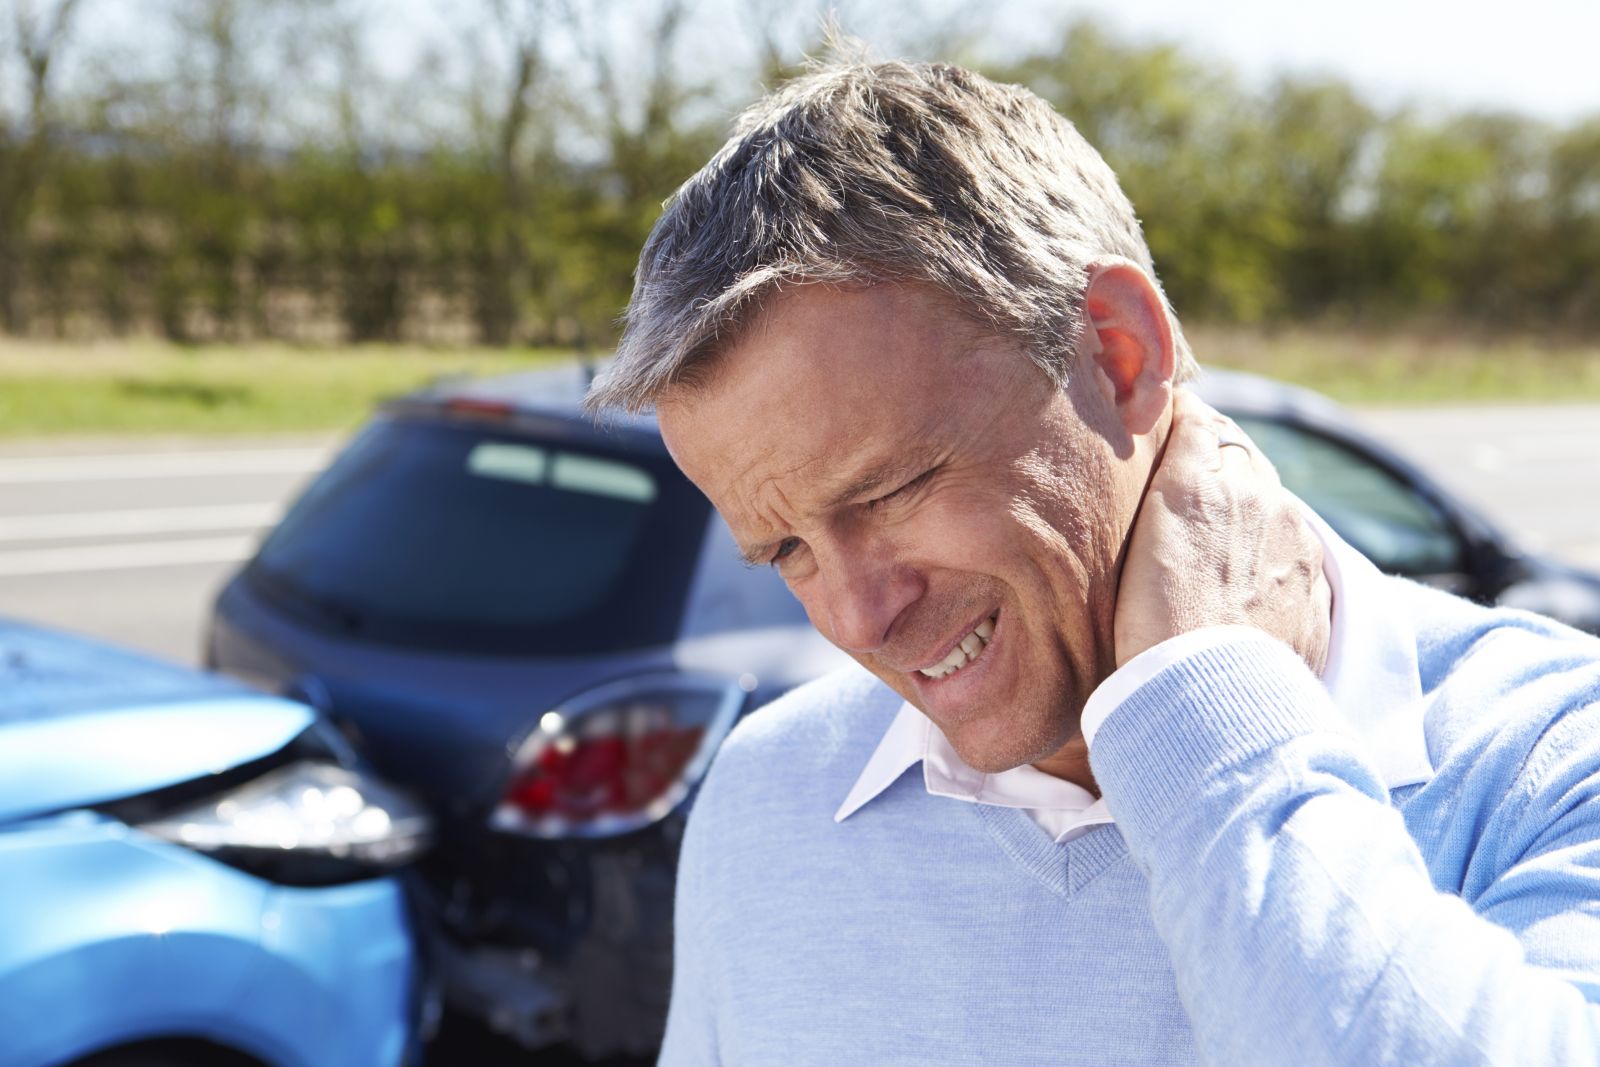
x: 1372, y: 671
x: 1371, y: 674
x: 1058, y: 805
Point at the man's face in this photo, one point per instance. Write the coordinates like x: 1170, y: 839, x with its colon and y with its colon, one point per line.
x: 946, y: 514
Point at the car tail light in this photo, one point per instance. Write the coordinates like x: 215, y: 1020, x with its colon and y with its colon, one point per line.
x: 617, y: 758
x: 479, y: 407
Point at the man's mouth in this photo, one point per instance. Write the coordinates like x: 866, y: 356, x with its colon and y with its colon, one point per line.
x: 967, y: 649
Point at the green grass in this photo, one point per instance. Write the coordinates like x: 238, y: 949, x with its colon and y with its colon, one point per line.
x: 1410, y: 366
x: 153, y: 387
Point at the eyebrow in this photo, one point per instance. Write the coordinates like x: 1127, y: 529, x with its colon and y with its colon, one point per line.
x: 865, y: 484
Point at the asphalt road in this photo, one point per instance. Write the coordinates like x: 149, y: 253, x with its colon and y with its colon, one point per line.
x: 130, y: 539
x: 1534, y: 470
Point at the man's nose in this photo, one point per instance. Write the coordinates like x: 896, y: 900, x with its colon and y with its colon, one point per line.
x: 865, y: 592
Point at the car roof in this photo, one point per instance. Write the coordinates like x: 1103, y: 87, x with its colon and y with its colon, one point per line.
x: 1254, y: 394
x: 534, y: 398
x: 559, y: 390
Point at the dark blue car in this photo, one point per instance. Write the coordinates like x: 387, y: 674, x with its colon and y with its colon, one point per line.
x: 543, y: 628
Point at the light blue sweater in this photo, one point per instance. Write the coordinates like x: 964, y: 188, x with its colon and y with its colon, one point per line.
x: 1261, y: 899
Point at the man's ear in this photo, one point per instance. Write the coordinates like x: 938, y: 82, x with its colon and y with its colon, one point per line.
x: 1129, y: 344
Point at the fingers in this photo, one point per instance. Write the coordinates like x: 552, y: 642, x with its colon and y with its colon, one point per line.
x: 1218, y: 539
x: 1202, y: 439
x: 1236, y: 451
x: 1196, y: 429
x: 1209, y: 440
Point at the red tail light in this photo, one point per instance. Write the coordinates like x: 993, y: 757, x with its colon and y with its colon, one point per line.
x: 617, y: 758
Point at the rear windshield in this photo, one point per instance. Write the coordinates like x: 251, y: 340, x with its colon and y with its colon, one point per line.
x: 461, y: 538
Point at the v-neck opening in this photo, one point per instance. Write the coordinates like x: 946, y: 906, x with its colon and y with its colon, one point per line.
x: 1063, y: 868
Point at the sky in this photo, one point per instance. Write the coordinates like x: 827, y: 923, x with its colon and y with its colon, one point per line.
x: 1539, y: 57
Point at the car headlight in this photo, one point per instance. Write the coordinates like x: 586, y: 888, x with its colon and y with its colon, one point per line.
x: 308, y: 823
x: 298, y: 817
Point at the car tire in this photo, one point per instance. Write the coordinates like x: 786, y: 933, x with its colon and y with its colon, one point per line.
x: 169, y: 1054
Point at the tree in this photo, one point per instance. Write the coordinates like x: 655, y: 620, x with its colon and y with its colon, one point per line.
x: 504, y: 273
x: 38, y: 35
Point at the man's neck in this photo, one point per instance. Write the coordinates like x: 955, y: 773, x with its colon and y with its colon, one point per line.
x: 1070, y: 763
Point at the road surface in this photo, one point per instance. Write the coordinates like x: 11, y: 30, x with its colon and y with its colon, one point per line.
x: 130, y: 539
x: 1535, y: 470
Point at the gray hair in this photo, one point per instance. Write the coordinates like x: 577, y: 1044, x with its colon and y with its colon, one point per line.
x: 892, y: 172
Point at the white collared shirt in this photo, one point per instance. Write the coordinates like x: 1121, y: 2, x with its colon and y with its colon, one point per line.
x: 1371, y: 674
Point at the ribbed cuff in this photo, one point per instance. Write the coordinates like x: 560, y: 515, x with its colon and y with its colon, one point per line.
x: 1217, y: 708
x: 1126, y: 679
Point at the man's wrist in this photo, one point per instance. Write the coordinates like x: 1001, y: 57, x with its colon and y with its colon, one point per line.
x: 1183, y: 733
x: 1112, y: 693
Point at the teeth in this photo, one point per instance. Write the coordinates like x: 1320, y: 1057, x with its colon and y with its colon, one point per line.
x: 969, y: 649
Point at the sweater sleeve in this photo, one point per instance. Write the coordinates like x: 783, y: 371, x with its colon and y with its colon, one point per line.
x: 1299, y: 913
x: 691, y: 1037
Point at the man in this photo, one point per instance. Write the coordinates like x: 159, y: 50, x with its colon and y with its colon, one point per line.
x: 1143, y: 766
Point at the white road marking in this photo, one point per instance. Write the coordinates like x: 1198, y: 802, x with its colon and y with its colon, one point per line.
x: 125, y: 557
x: 161, y: 465
x: 1488, y: 458
x: 1534, y: 444
x: 139, y: 521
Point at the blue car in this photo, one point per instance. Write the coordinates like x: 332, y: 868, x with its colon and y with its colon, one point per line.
x: 193, y: 872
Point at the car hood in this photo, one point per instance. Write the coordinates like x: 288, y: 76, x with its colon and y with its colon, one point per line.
x: 83, y: 723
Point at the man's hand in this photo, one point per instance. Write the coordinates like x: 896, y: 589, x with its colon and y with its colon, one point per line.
x: 1219, y: 541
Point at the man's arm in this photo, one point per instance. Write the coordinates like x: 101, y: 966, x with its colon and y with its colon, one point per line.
x: 691, y: 1038
x: 1300, y: 916
x: 1303, y: 925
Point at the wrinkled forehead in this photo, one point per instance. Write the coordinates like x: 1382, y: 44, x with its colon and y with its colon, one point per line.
x: 789, y: 452
x: 821, y: 376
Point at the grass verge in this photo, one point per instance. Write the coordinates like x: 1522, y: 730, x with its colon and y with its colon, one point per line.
x: 1409, y: 367
x: 153, y: 387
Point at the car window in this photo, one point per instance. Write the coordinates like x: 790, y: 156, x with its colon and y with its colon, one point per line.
x: 1382, y: 516
x: 459, y: 537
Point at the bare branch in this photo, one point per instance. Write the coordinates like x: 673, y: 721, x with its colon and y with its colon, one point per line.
x: 38, y: 46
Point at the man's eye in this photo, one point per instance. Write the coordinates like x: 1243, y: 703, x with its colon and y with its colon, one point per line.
x: 889, y: 498
x: 785, y: 549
